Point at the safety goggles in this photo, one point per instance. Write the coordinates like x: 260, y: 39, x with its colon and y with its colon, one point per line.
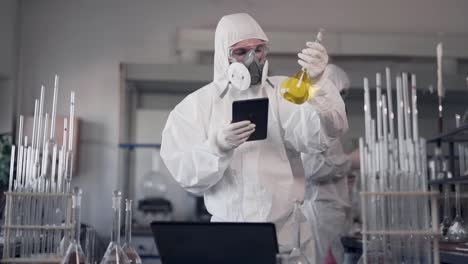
x: 238, y: 54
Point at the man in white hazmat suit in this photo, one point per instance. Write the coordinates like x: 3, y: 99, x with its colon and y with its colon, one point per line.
x: 327, y: 199
x: 248, y: 181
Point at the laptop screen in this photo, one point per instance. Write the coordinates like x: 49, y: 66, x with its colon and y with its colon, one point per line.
x: 215, y: 243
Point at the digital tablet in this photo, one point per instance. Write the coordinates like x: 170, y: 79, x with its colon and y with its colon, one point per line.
x: 254, y: 110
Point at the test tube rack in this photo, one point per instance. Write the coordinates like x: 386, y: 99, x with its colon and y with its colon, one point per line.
x: 38, y: 219
x: 396, y: 204
x: 431, y: 233
x: 32, y: 231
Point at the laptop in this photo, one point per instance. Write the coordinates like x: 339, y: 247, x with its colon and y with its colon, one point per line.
x: 215, y: 243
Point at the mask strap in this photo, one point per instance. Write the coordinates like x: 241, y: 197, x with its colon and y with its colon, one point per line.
x: 225, y: 91
x: 269, y: 82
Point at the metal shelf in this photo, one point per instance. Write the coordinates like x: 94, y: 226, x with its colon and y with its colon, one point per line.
x: 450, y: 138
x: 460, y: 179
x: 457, y: 135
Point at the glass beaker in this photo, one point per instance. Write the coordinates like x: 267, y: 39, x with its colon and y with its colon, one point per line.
x: 74, y: 253
x: 114, y: 253
x: 129, y: 250
x: 298, y: 89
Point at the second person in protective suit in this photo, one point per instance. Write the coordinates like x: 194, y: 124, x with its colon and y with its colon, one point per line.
x: 249, y: 181
x: 326, y: 201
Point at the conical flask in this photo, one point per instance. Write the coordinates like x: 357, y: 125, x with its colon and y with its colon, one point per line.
x: 127, y: 247
x: 297, y: 256
x: 298, y: 88
x: 114, y: 253
x: 74, y: 253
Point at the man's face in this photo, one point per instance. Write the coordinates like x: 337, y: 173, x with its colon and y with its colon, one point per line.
x: 238, y: 51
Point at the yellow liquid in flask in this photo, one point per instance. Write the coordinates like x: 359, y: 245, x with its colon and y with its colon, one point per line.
x: 298, y: 88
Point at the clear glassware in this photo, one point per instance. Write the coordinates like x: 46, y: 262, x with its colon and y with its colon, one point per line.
x: 448, y: 174
x: 127, y: 247
x: 465, y: 160
x: 441, y: 166
x: 282, y: 258
x: 114, y: 253
x: 74, y: 253
x: 458, y: 231
x: 298, y: 89
x: 296, y: 255
x: 464, y: 120
x: 461, y: 160
x: 90, y: 242
x: 154, y: 183
x: 431, y: 164
x: 446, y: 222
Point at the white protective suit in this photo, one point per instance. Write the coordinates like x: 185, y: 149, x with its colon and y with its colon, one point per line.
x: 259, y: 180
x: 327, y: 200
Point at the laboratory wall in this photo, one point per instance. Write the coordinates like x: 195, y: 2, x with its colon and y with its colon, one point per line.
x: 85, y: 42
x: 8, y: 59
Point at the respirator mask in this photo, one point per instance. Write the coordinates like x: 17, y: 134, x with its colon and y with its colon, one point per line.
x: 246, y: 65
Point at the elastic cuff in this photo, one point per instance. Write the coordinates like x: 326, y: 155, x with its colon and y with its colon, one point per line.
x: 321, y: 99
x: 320, y: 84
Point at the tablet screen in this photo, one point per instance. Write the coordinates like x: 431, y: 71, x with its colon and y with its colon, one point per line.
x: 255, y: 110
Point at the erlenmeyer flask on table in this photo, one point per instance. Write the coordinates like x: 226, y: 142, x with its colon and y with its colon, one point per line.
x: 458, y: 231
x: 114, y: 253
x: 298, y: 88
x: 127, y: 247
x: 74, y: 253
x: 296, y: 255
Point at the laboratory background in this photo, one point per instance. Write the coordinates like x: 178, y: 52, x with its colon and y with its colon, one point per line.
x: 97, y: 162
